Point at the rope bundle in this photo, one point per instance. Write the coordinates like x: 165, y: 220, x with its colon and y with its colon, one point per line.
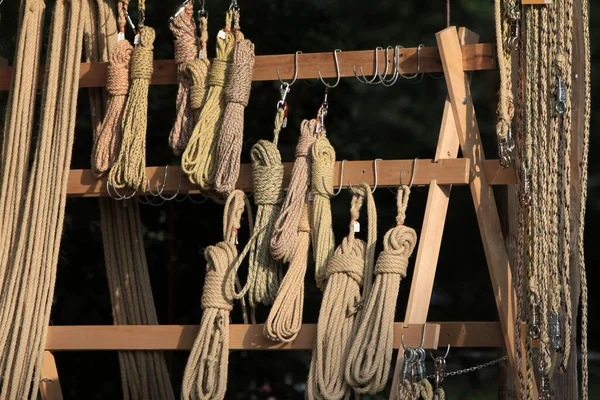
x: 197, y: 71
x: 186, y: 50
x: 348, y: 268
x: 323, y: 156
x: 206, y: 371
x: 417, y: 390
x: 199, y: 157
x: 370, y: 355
x: 291, y: 242
x: 130, y: 168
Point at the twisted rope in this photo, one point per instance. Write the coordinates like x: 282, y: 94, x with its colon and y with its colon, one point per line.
x: 130, y: 168
x: 370, y: 354
x: 350, y: 266
x: 237, y: 95
x: 197, y: 71
x: 415, y: 390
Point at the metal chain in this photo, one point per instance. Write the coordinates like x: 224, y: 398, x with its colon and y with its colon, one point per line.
x: 472, y: 369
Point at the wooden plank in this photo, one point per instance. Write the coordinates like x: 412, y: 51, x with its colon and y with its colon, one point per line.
x: 241, y: 337
x: 82, y: 183
x: 475, y: 57
x: 50, y: 384
x: 533, y: 2
x: 481, y: 191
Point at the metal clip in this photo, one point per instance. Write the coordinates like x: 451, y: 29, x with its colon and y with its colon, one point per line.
x: 505, y: 148
x: 419, y: 366
x: 545, y: 389
x: 534, y: 329
x: 561, y: 97
x: 407, y: 369
x: 284, y: 90
x: 555, y: 332
x: 526, y: 194
x: 439, y: 369
x: 323, y: 113
x: 513, y: 41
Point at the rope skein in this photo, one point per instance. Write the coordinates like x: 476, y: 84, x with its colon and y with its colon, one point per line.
x: 199, y: 157
x: 237, y: 95
x: 108, y: 142
x: 197, y: 71
x: 323, y: 241
x: 370, y: 356
x: 206, y: 370
x: 186, y: 50
x: 342, y: 300
x: 130, y: 168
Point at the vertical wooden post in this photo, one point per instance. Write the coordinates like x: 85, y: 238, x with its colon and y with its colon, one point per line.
x: 50, y: 386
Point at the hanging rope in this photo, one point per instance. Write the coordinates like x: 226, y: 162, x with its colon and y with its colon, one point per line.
x: 186, y: 50
x: 415, y: 390
x: 206, y: 371
x: 28, y: 289
x: 323, y: 156
x: 237, y: 95
x: 130, y: 167
x: 350, y: 266
x: 199, y: 157
x: 370, y: 354
x: 198, y: 70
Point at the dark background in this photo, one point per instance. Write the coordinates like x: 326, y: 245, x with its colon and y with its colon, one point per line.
x: 364, y: 122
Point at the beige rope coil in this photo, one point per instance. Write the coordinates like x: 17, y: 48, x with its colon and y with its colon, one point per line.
x: 237, y: 95
x: 350, y: 266
x: 198, y: 70
x: 323, y: 162
x: 130, y: 167
x: 199, y: 157
x: 415, y: 390
x: 28, y: 289
x: 370, y: 354
x: 206, y: 371
x: 186, y: 50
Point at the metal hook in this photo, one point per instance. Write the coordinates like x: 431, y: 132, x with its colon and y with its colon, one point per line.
x: 376, y: 174
x: 410, y: 77
x: 412, y: 175
x: 165, y: 182
x: 289, y: 84
x: 337, y: 70
x: 181, y: 9
x: 445, y: 355
x: 402, y: 341
x: 423, y: 335
x: 396, y: 72
x: 376, y: 75
x: 119, y: 196
x: 335, y: 194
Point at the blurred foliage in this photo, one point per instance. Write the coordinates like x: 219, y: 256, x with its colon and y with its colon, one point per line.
x: 364, y: 122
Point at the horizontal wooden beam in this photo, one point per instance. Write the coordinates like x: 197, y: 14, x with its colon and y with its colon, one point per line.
x: 475, y: 57
x: 181, y: 337
x: 82, y: 182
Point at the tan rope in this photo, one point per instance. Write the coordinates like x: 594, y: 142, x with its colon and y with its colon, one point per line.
x: 206, y: 371
x: 237, y: 95
x: 28, y: 290
x: 199, y: 157
x: 186, y: 50
x: 323, y: 162
x: 351, y: 264
x: 130, y: 167
x: 415, y: 390
x: 198, y: 70
x: 371, y: 351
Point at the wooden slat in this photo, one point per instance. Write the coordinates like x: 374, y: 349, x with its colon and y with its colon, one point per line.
x: 532, y: 2
x: 481, y: 191
x: 475, y: 57
x: 50, y: 385
x: 82, y: 183
x: 241, y: 337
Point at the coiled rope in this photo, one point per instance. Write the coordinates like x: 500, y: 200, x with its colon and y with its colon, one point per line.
x: 370, y: 354
x: 198, y: 70
x: 198, y: 160
x: 206, y: 370
x: 415, y: 390
x: 186, y: 50
x: 347, y: 270
x: 237, y: 95
x: 130, y: 167
x: 291, y: 242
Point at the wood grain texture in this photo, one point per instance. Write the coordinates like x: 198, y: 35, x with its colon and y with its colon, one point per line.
x: 50, y: 385
x: 475, y: 57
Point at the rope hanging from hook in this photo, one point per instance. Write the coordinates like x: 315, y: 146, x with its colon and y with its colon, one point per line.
x: 198, y: 71
x: 370, y: 354
x: 349, y: 270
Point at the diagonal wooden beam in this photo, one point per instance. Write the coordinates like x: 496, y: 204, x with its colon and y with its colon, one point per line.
x: 50, y: 385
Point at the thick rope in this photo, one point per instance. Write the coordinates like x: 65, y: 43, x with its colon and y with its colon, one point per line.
x: 206, y: 371
x: 28, y: 290
x: 186, y: 50
x: 199, y: 158
x: 130, y: 167
x: 348, y: 268
x: 370, y: 355
x: 237, y: 95
x: 415, y: 390
x: 323, y: 162
x: 197, y: 71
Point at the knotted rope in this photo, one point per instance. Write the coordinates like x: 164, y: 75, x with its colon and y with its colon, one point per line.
x: 323, y: 162
x: 199, y: 157
x: 206, y: 371
x: 350, y: 266
x: 264, y: 273
x: 370, y: 355
x: 130, y: 167
x: 186, y: 50
x: 237, y: 95
x: 198, y: 70
x: 415, y: 390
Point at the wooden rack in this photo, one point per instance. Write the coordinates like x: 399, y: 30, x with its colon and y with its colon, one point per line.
x: 457, y: 54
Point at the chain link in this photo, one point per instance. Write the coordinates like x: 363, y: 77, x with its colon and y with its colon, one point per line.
x: 472, y: 369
